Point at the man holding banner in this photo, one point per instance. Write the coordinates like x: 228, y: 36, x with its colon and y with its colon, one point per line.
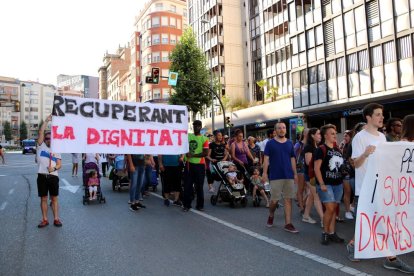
x: 380, y: 224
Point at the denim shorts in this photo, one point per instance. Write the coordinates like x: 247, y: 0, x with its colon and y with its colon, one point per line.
x: 333, y: 193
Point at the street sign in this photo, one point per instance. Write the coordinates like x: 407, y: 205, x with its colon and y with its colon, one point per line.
x: 172, y: 78
x: 149, y: 79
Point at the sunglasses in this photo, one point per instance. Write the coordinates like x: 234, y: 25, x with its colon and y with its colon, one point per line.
x: 47, y: 138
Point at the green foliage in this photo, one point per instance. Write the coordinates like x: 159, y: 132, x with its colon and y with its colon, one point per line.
x: 238, y: 104
x: 190, y: 63
x: 272, y: 92
x: 7, y: 131
x: 23, y: 131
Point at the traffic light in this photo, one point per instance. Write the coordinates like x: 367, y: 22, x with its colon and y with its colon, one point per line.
x: 228, y: 124
x: 155, y: 74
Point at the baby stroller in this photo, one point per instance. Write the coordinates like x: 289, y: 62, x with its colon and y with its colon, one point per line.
x: 120, y: 174
x: 227, y: 192
x: 87, y: 168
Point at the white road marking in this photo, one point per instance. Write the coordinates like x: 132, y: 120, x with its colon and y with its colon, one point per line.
x: 69, y: 187
x: 11, y: 191
x: 3, y: 175
x: 295, y: 250
x: 3, y: 206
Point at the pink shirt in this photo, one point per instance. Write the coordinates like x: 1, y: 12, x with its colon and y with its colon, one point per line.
x: 93, y: 182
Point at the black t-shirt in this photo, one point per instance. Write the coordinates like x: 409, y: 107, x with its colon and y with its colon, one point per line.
x: 331, y: 164
x: 306, y: 149
x: 217, y: 150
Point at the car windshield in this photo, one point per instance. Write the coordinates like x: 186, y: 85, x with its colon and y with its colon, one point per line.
x: 29, y: 143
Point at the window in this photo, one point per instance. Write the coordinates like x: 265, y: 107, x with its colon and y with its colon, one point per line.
x: 173, y: 39
x: 376, y: 56
x: 321, y: 72
x: 164, y: 21
x: 404, y: 47
x: 157, y: 94
x: 158, y: 6
x: 179, y: 24
x: 319, y: 35
x: 311, y: 38
x: 352, y: 63
x: 173, y: 8
x: 363, y: 60
x: 302, y: 44
x: 155, y: 21
x: 164, y: 38
x: 294, y: 43
x: 340, y: 62
x: 303, y: 78
x: 173, y: 22
x: 165, y: 93
x: 156, y: 57
x: 155, y: 39
x: 331, y: 69
x: 389, y: 52
x: 313, y: 74
x: 372, y: 13
x: 165, y: 56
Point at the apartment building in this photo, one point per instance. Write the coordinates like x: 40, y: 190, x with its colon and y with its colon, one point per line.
x: 86, y: 85
x: 160, y: 25
x: 218, y: 25
x: 36, y: 103
x: 348, y: 53
x: 9, y: 106
x: 112, y: 79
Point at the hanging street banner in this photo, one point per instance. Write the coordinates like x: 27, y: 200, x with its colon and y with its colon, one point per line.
x: 83, y: 125
x: 385, y: 218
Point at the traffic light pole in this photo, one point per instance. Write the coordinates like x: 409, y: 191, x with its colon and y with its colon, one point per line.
x: 212, y: 92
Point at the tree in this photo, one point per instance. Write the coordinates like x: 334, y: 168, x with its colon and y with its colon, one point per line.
x: 23, y: 131
x: 7, y: 131
x: 272, y: 93
x: 190, y: 63
x: 262, y: 84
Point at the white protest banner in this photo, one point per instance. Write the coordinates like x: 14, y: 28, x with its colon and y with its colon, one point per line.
x: 385, y: 218
x: 82, y: 125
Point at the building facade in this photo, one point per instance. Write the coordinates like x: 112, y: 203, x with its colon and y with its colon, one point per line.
x: 218, y: 26
x: 357, y: 52
x: 111, y: 75
x: 87, y: 85
x: 36, y: 103
x: 160, y: 25
x: 9, y: 107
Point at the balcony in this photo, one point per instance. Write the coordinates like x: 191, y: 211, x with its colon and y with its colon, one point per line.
x: 215, y: 20
x: 217, y: 60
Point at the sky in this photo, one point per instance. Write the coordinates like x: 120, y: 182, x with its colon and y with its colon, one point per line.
x: 40, y: 39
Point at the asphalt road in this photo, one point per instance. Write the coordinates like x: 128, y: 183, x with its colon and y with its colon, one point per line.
x: 109, y: 239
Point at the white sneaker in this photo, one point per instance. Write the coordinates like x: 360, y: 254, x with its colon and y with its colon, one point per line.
x: 309, y: 220
x: 212, y: 190
x: 348, y: 215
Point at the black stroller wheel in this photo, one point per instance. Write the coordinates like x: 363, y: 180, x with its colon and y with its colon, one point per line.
x: 213, y: 200
x: 243, y: 202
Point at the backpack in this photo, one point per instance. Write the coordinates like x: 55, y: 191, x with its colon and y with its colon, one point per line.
x: 311, y: 167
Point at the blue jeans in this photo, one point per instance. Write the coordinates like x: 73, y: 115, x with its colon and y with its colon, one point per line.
x: 147, y: 178
x: 333, y: 193
x: 137, y: 179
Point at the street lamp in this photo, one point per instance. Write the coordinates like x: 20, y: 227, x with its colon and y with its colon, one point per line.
x: 204, y: 21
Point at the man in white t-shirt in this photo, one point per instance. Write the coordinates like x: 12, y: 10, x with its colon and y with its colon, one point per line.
x: 271, y: 133
x: 47, y: 177
x: 363, y: 145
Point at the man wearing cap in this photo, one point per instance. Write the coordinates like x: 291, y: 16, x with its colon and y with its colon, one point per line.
x: 195, y: 169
